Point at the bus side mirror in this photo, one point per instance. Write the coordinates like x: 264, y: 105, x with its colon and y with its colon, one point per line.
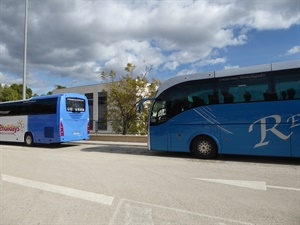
x: 140, y: 105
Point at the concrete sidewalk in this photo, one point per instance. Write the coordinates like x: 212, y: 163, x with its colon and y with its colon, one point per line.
x: 119, y: 138
x: 92, y: 142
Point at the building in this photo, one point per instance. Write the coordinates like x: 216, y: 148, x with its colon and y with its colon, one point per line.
x: 97, y: 105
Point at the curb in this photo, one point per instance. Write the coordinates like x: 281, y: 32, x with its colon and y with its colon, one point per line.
x: 119, y: 138
x: 90, y: 142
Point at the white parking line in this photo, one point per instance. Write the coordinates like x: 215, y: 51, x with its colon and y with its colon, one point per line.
x: 136, y: 214
x: 284, y: 188
x: 258, y: 185
x: 89, y: 196
x: 131, y: 212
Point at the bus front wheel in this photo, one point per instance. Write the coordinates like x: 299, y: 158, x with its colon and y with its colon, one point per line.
x: 28, y: 139
x: 204, y: 147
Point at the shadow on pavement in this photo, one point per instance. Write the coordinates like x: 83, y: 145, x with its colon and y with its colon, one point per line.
x: 46, y: 146
x: 134, y: 150
x: 140, y: 150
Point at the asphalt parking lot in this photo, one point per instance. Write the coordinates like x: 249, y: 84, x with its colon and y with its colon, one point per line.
x: 125, y: 183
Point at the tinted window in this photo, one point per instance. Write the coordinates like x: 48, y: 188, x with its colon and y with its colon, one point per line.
x: 287, y: 84
x: 75, y: 105
x: 31, y: 107
x: 181, y: 97
x: 42, y: 106
x: 244, y: 88
x: 247, y: 88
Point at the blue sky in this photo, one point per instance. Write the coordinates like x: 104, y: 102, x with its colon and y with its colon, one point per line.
x: 71, y: 42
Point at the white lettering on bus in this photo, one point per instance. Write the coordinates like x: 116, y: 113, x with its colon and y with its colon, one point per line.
x: 293, y: 120
x: 11, y: 128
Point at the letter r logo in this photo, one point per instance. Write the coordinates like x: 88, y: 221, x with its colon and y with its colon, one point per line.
x: 264, y: 130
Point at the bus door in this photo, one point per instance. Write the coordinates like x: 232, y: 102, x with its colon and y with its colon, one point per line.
x: 179, y: 137
x: 159, y: 127
x: 159, y: 138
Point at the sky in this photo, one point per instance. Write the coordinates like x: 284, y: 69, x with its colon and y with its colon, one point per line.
x: 70, y: 42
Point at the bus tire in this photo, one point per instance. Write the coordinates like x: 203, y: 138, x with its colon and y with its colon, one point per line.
x: 28, y: 139
x: 204, y: 147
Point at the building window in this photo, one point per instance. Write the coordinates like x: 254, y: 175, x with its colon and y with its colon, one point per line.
x: 101, y: 123
x: 90, y: 102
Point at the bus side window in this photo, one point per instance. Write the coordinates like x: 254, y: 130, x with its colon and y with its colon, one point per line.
x: 291, y: 93
x: 178, y: 107
x: 269, y: 96
x: 214, y: 98
x: 288, y: 86
x: 197, y: 101
x: 288, y: 94
x: 228, y: 98
x: 247, y: 96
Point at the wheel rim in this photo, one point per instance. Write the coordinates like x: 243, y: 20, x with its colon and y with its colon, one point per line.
x: 204, y: 147
x: 28, y: 140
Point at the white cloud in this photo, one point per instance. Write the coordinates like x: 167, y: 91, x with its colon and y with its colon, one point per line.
x: 6, y: 79
x: 294, y: 50
x: 230, y: 67
x: 75, y: 39
x: 214, y: 61
x: 2, y: 78
x: 268, y: 15
x: 3, y: 50
x: 171, y: 65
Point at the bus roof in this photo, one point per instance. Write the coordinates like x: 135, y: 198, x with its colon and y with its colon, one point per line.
x: 228, y: 72
x: 56, y: 95
x: 45, y: 97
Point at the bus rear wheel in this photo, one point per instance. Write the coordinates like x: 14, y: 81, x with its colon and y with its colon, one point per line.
x: 28, y: 139
x: 204, y: 147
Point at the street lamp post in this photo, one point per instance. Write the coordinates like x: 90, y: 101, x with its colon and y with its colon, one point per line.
x: 25, y: 50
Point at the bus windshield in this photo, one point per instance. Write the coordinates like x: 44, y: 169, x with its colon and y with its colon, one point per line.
x: 75, y: 105
x: 158, y: 113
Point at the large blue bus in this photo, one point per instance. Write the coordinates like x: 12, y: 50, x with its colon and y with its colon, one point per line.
x: 45, y: 120
x: 246, y: 111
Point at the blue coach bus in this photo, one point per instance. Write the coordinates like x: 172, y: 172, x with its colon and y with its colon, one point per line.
x: 45, y: 120
x: 245, y: 111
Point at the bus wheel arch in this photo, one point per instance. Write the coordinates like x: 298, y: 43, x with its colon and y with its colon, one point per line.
x: 28, y: 139
x: 204, y: 147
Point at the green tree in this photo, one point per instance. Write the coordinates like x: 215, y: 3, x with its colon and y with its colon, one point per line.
x: 1, y: 91
x: 56, y: 87
x: 123, y: 95
x: 13, y: 92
